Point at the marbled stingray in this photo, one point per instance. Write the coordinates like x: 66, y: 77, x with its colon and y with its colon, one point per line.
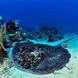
x: 38, y: 58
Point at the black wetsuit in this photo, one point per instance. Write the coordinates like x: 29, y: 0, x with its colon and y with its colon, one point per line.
x: 11, y: 28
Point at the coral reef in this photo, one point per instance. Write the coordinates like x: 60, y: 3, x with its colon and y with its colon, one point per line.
x: 51, y: 34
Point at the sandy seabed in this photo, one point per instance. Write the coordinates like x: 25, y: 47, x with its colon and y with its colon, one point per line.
x: 8, y: 70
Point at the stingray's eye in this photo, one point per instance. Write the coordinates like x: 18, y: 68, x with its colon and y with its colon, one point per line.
x: 39, y: 59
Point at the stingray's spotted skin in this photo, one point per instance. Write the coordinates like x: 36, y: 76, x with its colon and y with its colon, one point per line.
x: 39, y: 59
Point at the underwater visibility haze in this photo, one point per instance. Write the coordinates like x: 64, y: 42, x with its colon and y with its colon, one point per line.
x: 33, y: 13
x: 38, y: 38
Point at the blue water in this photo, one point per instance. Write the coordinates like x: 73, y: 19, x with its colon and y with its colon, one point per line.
x: 32, y: 13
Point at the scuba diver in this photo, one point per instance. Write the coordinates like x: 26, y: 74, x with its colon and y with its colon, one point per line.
x: 7, y: 31
x: 14, y: 31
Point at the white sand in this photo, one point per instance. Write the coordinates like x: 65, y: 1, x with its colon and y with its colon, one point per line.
x: 70, y: 71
